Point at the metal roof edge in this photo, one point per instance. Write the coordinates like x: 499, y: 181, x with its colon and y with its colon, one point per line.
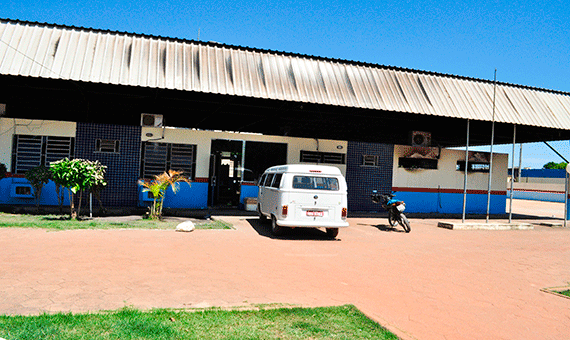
x: 284, y: 53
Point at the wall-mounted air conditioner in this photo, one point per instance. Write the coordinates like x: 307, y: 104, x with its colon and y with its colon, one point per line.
x: 148, y: 119
x: 420, y: 138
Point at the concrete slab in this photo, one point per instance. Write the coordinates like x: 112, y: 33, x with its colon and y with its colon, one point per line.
x: 484, y: 226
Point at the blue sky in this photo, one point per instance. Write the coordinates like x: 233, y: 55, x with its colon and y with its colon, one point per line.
x: 528, y: 42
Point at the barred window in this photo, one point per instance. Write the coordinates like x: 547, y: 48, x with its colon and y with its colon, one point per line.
x: 107, y: 146
x: 157, y: 158
x: 369, y: 160
x: 322, y: 157
x: 30, y: 151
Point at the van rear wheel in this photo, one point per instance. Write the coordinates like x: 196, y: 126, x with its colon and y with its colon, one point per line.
x: 332, y: 232
x: 275, y: 229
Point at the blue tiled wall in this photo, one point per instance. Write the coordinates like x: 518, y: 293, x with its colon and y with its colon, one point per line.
x: 122, y: 167
x: 361, y: 180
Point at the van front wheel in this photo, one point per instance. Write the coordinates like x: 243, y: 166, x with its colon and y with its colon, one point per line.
x: 332, y: 232
x: 275, y: 229
x: 262, y: 217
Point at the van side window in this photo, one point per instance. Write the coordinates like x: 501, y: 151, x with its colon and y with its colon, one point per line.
x: 262, y: 180
x: 268, y: 180
x: 277, y: 180
x: 316, y: 183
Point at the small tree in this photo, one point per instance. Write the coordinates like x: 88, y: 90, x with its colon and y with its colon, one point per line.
x: 38, y: 177
x: 78, y: 175
x: 158, y: 186
x: 552, y: 165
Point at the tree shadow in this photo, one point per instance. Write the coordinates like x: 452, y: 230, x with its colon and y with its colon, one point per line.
x: 294, y: 234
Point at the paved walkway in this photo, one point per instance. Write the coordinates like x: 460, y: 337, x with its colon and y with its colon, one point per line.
x: 432, y: 283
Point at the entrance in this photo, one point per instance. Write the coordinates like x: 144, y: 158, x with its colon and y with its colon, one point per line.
x: 225, y: 173
x: 235, y: 163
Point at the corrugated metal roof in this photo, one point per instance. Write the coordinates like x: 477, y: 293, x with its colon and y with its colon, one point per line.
x: 72, y: 53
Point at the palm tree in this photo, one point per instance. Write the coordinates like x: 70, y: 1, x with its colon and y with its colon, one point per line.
x: 158, y: 186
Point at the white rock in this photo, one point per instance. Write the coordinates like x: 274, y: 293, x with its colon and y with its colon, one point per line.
x: 186, y: 226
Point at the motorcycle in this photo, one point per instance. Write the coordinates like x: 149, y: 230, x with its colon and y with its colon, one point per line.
x: 395, y: 210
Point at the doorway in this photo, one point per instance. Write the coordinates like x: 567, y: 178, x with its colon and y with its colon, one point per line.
x: 226, y: 159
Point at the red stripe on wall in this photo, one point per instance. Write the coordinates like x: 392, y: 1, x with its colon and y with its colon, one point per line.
x: 448, y: 191
x: 201, y: 180
x: 9, y: 174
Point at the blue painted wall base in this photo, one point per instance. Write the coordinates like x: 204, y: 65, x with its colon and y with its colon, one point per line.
x: 48, y: 195
x: 451, y: 203
x: 188, y: 196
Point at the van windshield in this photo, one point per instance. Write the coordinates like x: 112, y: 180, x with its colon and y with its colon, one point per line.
x: 315, y: 183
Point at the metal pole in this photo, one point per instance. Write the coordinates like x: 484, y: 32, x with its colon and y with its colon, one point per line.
x: 520, y: 165
x: 565, y: 198
x: 512, y: 174
x: 491, y: 156
x: 465, y: 175
x: 90, y: 205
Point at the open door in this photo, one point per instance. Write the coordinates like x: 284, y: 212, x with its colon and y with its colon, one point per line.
x: 225, y: 173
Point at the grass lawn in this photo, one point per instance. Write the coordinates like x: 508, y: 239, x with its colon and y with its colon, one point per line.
x: 343, y: 322
x: 565, y: 292
x: 58, y: 222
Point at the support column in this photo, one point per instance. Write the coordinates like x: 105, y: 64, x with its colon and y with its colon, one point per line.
x: 512, y: 174
x: 465, y: 174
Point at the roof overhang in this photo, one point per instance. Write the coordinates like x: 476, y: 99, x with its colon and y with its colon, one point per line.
x: 84, y: 74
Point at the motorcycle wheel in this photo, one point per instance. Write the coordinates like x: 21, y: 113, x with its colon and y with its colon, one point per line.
x: 392, y: 219
x: 405, y: 223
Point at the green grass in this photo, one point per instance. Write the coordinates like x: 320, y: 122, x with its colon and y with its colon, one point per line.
x: 343, y: 322
x: 57, y: 222
x: 565, y: 293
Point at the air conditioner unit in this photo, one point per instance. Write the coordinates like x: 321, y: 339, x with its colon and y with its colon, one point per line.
x: 419, y: 138
x: 148, y: 119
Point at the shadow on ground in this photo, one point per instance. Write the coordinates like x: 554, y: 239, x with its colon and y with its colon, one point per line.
x: 388, y: 228
x: 296, y: 234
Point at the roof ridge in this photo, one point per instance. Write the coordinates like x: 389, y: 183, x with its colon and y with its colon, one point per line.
x: 284, y: 53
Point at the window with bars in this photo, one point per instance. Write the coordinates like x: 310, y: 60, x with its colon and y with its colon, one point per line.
x: 157, y: 158
x: 370, y: 160
x: 107, y: 146
x: 322, y: 157
x: 29, y: 151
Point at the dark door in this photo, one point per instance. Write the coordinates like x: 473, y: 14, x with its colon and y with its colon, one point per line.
x: 225, y: 173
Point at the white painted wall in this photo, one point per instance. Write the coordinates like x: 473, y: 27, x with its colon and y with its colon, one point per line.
x: 11, y: 126
x: 203, y: 140
x: 446, y: 176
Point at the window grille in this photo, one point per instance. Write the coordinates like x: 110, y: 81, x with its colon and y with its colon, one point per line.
x: 30, y: 151
x: 322, y: 157
x: 160, y: 157
x: 369, y: 160
x: 107, y: 145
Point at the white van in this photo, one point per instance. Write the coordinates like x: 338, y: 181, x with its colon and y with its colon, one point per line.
x: 306, y: 196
